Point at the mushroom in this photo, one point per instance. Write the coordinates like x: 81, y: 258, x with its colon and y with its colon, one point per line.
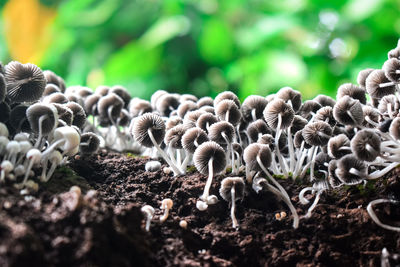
x: 33, y: 157
x: 79, y: 115
x: 348, y: 111
x: 325, y: 101
x: 166, y: 104
x: 205, y: 101
x: 206, y: 120
x: 378, y: 85
x: 6, y: 168
x: 209, y: 159
x: 353, y: 91
x: 66, y: 138
x: 25, y: 82
x: 42, y: 119
x: 148, y: 211
x: 391, y: 67
x: 253, y: 107
x: 232, y: 189
x: 89, y: 144
x: 149, y: 130
x: 55, y: 158
x: 362, y: 76
x: 366, y: 145
x: 53, y: 78
x: 227, y: 110
x: 339, y: 146
x: 226, y: 95
x: 290, y: 96
x: 166, y: 205
x: 152, y: 166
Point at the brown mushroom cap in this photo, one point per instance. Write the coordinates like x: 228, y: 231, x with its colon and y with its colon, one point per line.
x: 308, y: 107
x: 256, y: 103
x: 192, y: 136
x: 209, y: 151
x: 146, y: 122
x: 173, y: 136
x: 206, y: 120
x: 317, y: 133
x: 390, y: 67
x: 374, y: 79
x: 353, y: 91
x: 366, y: 145
x: 79, y: 118
x: 59, y: 98
x: 336, y: 143
x: 395, y: 128
x: 226, y: 95
x: 186, y: 106
x: 256, y: 128
x: 139, y: 106
x: 325, y: 114
x: 250, y: 156
x: 325, y: 100
x: 3, y: 88
x: 102, y: 90
x: 36, y: 111
x: 362, y: 76
x: 64, y: 113
x: 215, y: 132
x: 345, y: 164
x: 110, y: 102
x: 226, y: 186
x: 90, y: 143
x: 348, y: 111
x: 166, y: 104
x: 288, y: 94
x: 205, y: 101
x: 122, y: 92
x: 385, y: 102
x: 53, y: 78
x: 25, y: 82
x: 332, y: 177
x: 50, y: 89
x: 276, y: 108
x: 229, y: 107
x: 372, y: 114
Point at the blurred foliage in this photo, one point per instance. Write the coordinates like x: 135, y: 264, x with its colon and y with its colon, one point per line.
x: 202, y: 47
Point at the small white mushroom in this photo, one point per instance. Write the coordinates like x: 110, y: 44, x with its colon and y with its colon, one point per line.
x: 148, y: 211
x: 12, y: 148
x: 183, y: 224
x: 33, y: 157
x: 152, y: 166
x: 166, y: 205
x: 6, y: 167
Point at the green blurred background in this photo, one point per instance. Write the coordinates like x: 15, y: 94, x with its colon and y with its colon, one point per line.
x: 202, y: 46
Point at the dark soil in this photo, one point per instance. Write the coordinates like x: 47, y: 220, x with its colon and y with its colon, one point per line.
x: 58, y: 227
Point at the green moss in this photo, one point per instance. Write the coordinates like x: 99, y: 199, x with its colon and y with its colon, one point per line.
x: 191, y: 169
x: 62, y: 180
x: 134, y: 156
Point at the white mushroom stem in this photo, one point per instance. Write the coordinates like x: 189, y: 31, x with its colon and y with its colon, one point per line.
x: 207, y: 187
x: 33, y: 156
x: 305, y: 201
x: 163, y: 154
x: 235, y: 223
x: 39, y: 139
x: 281, y: 160
x: 149, y: 213
x: 283, y: 192
x: 253, y: 114
x: 382, y: 85
x: 6, y: 168
x: 292, y: 162
x: 375, y: 218
x: 314, y: 154
x: 380, y: 173
x: 228, y: 144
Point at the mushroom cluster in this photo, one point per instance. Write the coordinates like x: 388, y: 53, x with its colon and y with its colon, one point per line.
x: 42, y: 122
x: 325, y: 142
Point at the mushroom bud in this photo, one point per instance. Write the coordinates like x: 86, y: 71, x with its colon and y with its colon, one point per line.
x: 166, y: 205
x: 149, y: 213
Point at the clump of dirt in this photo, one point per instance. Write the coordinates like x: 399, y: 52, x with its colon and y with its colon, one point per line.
x: 106, y: 228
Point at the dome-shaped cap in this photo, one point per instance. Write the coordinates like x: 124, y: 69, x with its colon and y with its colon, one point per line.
x: 209, y: 151
x: 148, y: 122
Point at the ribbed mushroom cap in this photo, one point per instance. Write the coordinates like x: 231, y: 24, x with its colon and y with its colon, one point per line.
x: 173, y: 136
x: 226, y: 186
x: 3, y: 88
x: 139, y: 106
x: 288, y: 94
x: 193, y: 116
x: 253, y: 104
x: 217, y: 130
x: 35, y: 112
x: 325, y: 100
x: 256, y: 128
x: 276, y: 108
x: 394, y: 53
x: 90, y: 143
x: 390, y: 67
x: 226, y: 95
x: 345, y: 164
x: 298, y: 124
x: 317, y: 133
x: 186, y: 106
x: 371, y: 114
x: 353, y: 91
x: 205, y: 101
x: 362, y: 77
x: 18, y: 119
x: 50, y: 89
x: 395, y: 128
x: 83, y: 91
x: 188, y: 97
x: 146, y: 122
x: 250, y: 156
x: 25, y: 82
x: 366, y: 145
x: 298, y: 139
x: 193, y: 138
x: 339, y: 146
x: 373, y: 82
x: 348, y: 111
x: 53, y: 78
x: 308, y: 107
x: 172, y: 122
x: 102, y: 90
x: 64, y: 113
x: 228, y: 107
x: 122, y: 92
x: 209, y: 151
x: 79, y: 118
x: 333, y: 180
x: 208, y: 109
x: 166, y: 104
x: 59, y: 98
x: 111, y: 102
x: 325, y: 114
x: 384, y: 126
x: 206, y: 120
x: 155, y: 96
x: 90, y: 104
x: 389, y: 105
x: 4, y: 112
